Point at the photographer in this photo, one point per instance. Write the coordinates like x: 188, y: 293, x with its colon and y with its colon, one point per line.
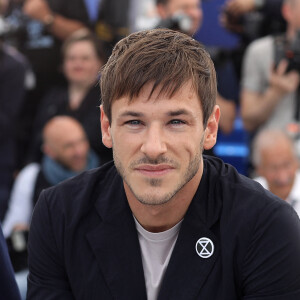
x: 269, y: 89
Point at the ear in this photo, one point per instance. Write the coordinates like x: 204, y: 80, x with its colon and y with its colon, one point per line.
x: 105, y: 129
x: 46, y: 149
x: 211, y: 129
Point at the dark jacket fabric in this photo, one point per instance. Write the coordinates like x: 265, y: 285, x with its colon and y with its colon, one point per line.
x: 56, y: 102
x: 8, y: 287
x: 83, y: 243
x: 12, y: 77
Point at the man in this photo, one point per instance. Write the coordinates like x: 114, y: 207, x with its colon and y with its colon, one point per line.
x: 8, y: 287
x: 275, y: 160
x: 162, y: 222
x: 66, y: 154
x: 192, y: 9
x: 269, y: 92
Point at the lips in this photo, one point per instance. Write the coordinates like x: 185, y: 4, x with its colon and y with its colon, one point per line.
x: 154, y: 170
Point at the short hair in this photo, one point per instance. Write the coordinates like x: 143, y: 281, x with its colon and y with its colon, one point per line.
x: 267, y: 138
x: 83, y: 35
x: 164, y: 57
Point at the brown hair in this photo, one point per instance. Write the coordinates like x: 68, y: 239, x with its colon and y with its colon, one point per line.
x: 83, y: 35
x: 165, y: 57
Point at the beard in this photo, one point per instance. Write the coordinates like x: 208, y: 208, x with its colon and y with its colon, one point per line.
x: 155, y: 197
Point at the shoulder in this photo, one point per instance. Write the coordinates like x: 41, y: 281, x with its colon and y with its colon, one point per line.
x: 30, y: 170
x: 261, y: 45
x: 240, y: 193
x: 27, y: 176
x: 75, y: 197
x: 58, y: 92
x: 261, y: 180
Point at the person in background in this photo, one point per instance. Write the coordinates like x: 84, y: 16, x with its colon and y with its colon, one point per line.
x: 241, y: 7
x: 80, y: 98
x: 12, y: 89
x: 42, y: 26
x: 269, y: 82
x: 66, y: 153
x: 276, y: 162
x: 161, y: 221
x: 8, y: 287
x: 192, y: 9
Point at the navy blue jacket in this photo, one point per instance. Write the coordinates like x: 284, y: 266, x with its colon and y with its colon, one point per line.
x: 83, y: 243
x: 8, y: 287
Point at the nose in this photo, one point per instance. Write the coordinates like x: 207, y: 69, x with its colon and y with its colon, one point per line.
x: 154, y: 143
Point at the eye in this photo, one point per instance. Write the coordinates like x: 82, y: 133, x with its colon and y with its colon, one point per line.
x: 133, y: 122
x: 176, y: 122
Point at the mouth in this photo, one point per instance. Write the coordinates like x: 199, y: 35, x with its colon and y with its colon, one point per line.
x: 154, y: 170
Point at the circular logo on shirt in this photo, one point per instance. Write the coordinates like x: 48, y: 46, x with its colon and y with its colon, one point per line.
x: 204, y: 247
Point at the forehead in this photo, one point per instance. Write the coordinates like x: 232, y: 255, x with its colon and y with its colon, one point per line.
x: 185, y: 98
x: 79, y: 46
x: 282, y: 152
x: 67, y: 134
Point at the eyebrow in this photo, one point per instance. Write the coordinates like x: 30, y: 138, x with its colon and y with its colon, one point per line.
x: 178, y: 112
x: 135, y: 114
x: 131, y: 114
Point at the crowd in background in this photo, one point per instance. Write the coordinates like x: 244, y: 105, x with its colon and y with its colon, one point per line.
x: 51, y: 54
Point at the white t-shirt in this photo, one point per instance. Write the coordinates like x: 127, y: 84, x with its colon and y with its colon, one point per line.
x: 156, y: 249
x: 20, y: 202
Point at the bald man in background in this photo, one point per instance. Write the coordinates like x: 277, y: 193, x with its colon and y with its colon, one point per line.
x: 276, y: 163
x: 66, y: 154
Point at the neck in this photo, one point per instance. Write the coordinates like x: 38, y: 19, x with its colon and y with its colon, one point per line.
x: 158, y: 218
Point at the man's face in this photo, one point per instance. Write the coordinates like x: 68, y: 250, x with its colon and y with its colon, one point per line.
x: 157, y: 143
x: 191, y: 8
x: 81, y: 64
x: 279, y: 166
x: 291, y: 12
x: 71, y: 149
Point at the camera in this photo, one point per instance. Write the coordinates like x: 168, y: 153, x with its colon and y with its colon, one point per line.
x: 289, y: 51
x: 179, y: 22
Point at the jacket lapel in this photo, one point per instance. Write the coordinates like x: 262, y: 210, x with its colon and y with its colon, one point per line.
x: 187, y: 270
x: 116, y: 247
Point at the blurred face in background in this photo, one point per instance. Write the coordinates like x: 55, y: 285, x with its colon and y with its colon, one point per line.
x: 81, y: 63
x: 65, y: 142
x: 191, y: 8
x: 291, y: 13
x: 279, y: 165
